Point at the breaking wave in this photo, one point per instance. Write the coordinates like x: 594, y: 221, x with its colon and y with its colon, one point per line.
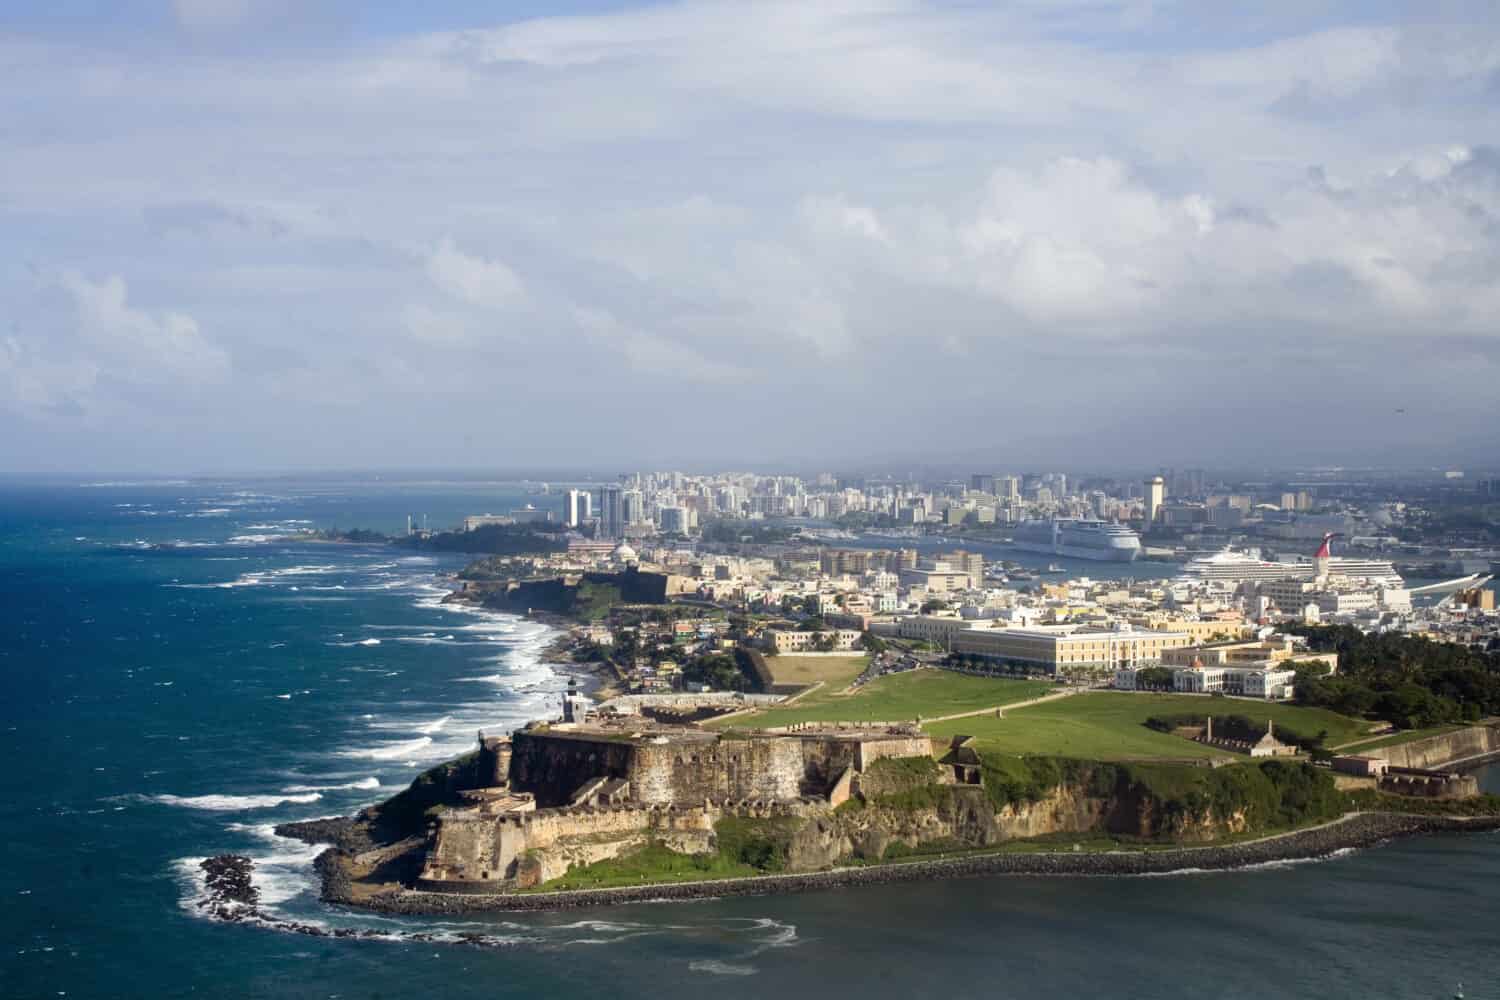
x: 234, y: 803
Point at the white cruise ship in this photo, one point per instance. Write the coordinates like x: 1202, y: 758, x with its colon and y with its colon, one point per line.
x: 1102, y: 541
x: 1229, y: 566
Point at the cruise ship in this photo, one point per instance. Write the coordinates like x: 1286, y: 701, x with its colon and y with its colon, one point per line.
x: 1102, y: 541
x: 1229, y: 566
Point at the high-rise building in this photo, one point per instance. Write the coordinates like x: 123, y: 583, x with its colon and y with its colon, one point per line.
x: 674, y: 520
x: 981, y: 483
x: 633, y: 507
x: 1156, y: 493
x: 577, y: 508
x: 611, y: 512
x: 1008, y: 488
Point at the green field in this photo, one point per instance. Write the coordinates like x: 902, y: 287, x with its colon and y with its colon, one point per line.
x: 834, y: 671
x: 1404, y: 736
x: 898, y: 698
x: 1111, y: 726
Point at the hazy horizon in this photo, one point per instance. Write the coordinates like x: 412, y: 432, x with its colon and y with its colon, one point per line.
x: 265, y: 235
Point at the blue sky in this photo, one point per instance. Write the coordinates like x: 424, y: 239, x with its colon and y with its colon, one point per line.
x: 247, y: 234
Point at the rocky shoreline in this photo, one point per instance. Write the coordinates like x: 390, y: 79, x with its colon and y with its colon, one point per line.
x: 1356, y: 831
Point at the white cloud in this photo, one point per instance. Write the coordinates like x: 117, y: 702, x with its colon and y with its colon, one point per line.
x: 433, y: 326
x: 136, y: 345
x: 476, y: 280
x: 856, y: 192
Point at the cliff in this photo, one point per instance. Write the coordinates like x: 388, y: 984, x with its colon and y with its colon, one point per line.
x: 588, y: 596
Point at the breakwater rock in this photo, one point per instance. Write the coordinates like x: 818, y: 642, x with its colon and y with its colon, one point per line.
x: 344, y: 832
x: 1360, y: 830
x: 230, y: 896
x: 229, y: 893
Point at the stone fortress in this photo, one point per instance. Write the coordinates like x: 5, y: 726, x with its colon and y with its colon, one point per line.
x: 573, y: 793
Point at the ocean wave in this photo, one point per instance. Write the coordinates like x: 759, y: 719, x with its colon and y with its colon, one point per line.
x: 357, y: 642
x: 389, y: 751
x: 233, y: 803
x: 717, y: 968
x: 243, y: 580
x: 363, y: 784
x: 1257, y: 866
x: 317, y: 570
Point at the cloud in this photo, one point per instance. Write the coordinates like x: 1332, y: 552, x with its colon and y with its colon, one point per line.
x: 138, y: 346
x: 796, y: 211
x: 475, y: 280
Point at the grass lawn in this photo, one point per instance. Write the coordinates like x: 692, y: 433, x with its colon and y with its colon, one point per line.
x: 834, y: 671
x: 653, y: 863
x: 1404, y: 736
x: 1111, y: 726
x: 898, y: 698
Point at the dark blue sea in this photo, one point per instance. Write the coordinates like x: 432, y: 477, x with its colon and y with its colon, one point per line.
x: 177, y: 681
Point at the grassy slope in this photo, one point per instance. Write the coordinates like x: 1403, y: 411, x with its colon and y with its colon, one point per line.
x: 1405, y: 736
x: 834, y: 671
x: 1111, y: 726
x: 653, y: 863
x: 898, y: 698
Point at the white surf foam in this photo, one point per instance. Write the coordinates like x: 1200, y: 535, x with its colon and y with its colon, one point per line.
x: 233, y: 803
x: 363, y: 784
x: 389, y: 751
x: 717, y: 968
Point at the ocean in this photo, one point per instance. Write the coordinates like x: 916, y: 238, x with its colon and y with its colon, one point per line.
x: 177, y: 681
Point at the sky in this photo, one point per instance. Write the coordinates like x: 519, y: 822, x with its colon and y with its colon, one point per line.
x: 243, y: 235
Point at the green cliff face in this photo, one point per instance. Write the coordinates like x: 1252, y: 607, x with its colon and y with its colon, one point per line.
x: 905, y: 811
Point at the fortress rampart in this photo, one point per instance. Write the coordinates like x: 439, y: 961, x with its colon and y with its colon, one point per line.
x: 576, y: 794
x: 1438, y: 752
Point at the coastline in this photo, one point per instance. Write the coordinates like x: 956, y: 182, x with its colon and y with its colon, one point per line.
x: 1355, y: 831
x: 596, y: 677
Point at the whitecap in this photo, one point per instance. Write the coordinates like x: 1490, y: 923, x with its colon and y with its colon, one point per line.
x: 363, y: 784
x: 389, y: 751
x: 233, y: 803
x: 717, y: 968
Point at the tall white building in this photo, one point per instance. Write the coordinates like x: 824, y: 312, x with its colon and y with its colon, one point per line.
x: 1156, y: 495
x: 578, y: 508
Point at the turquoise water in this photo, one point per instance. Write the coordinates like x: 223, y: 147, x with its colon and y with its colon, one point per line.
x: 175, y: 683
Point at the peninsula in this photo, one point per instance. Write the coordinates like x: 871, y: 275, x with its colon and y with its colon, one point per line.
x: 779, y: 714
x: 605, y: 807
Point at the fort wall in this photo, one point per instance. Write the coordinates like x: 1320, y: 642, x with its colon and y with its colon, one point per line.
x: 552, y: 767
x: 1436, y: 752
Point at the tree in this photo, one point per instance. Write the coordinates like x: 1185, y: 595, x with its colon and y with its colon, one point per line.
x: 717, y: 670
x: 1154, y: 678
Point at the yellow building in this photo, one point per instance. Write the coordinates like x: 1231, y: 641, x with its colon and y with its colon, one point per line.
x: 1059, y: 647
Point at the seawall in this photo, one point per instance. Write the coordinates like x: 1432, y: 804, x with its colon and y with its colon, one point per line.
x: 1358, y: 830
x: 1471, y: 745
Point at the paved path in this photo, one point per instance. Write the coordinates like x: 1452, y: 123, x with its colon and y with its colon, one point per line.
x: 999, y: 710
